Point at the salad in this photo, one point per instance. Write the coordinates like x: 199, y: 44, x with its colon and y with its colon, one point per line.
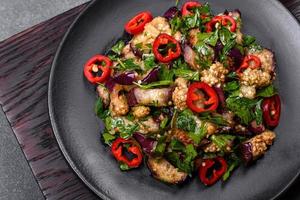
x: 186, y: 93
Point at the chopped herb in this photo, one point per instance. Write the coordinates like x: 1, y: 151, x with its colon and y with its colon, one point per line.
x: 242, y: 107
x: 267, y: 91
x: 176, y: 24
x: 254, y: 47
x: 215, y: 119
x: 124, y: 167
x: 149, y: 61
x: 165, y: 74
x: 118, y: 47
x: 222, y: 141
x: 180, y: 64
x: 108, y: 138
x: 226, y: 36
x: 117, y: 124
x: 187, y: 74
x: 113, y: 57
x: 231, y: 86
x: 232, y: 165
x: 177, y: 2
x: 155, y: 84
x: 186, y: 121
x: 248, y: 40
x: 232, y: 75
x: 199, y: 133
x: 160, y: 146
x: 176, y: 145
x: 258, y: 112
x: 127, y: 64
x: 139, y: 45
x: 164, y: 123
x: 187, y: 164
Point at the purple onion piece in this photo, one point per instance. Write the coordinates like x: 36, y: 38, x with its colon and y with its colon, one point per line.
x: 110, y: 84
x: 245, y: 150
x: 237, y: 57
x: 152, y: 76
x: 218, y: 49
x: 221, y: 96
x: 138, y: 53
x: 255, y: 128
x: 171, y: 13
x: 147, y: 144
x: 131, y: 99
x: 126, y: 78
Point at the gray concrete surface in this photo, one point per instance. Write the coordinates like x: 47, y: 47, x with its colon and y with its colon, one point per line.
x: 16, y: 179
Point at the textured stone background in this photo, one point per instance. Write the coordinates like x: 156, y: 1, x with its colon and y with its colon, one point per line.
x: 16, y: 180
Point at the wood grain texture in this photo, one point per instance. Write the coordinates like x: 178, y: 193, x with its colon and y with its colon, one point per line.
x: 25, y: 62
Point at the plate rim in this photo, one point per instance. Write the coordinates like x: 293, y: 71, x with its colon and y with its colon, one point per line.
x: 62, y: 147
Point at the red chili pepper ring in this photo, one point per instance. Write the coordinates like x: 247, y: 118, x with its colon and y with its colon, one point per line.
x: 137, y: 23
x: 118, y: 147
x: 251, y: 61
x: 223, y: 20
x: 92, y: 67
x: 188, y: 6
x: 166, y: 48
x: 212, y: 170
x: 202, y: 98
x: 271, y: 107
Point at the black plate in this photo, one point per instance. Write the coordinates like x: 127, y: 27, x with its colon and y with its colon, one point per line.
x: 77, y: 129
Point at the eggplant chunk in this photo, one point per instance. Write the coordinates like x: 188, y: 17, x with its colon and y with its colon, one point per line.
x: 164, y: 171
x: 153, y: 97
x: 257, y: 146
x: 103, y: 93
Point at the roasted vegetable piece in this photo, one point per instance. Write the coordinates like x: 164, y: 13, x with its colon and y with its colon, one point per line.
x: 151, y: 97
x: 164, y: 171
x: 94, y: 67
x: 137, y: 23
x: 211, y: 170
x: 256, y: 147
x: 120, y: 145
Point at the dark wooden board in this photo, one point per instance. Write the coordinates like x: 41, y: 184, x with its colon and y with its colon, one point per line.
x: 25, y: 62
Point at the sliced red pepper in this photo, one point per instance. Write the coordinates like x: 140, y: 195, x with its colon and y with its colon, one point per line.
x: 96, y: 64
x: 118, y: 147
x: 251, y: 61
x: 271, y: 107
x: 211, y: 170
x: 188, y: 6
x: 202, y: 98
x: 166, y: 48
x: 137, y: 23
x: 223, y: 20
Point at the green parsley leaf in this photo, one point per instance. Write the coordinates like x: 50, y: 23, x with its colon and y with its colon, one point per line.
x: 186, y: 121
x: 248, y: 40
x: 155, y: 84
x: 176, y: 145
x: 127, y: 64
x: 258, y: 112
x: 231, y: 86
x: 226, y: 36
x: 149, y: 61
x: 165, y: 74
x: 176, y: 24
x: 180, y: 64
x: 232, y: 165
x: 242, y: 107
x: 222, y: 141
x: 199, y: 134
x: 267, y: 91
x: 108, y: 138
x: 187, y: 74
x: 215, y: 118
x: 124, y: 167
x: 118, y: 47
x: 160, y: 146
x: 164, y: 123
